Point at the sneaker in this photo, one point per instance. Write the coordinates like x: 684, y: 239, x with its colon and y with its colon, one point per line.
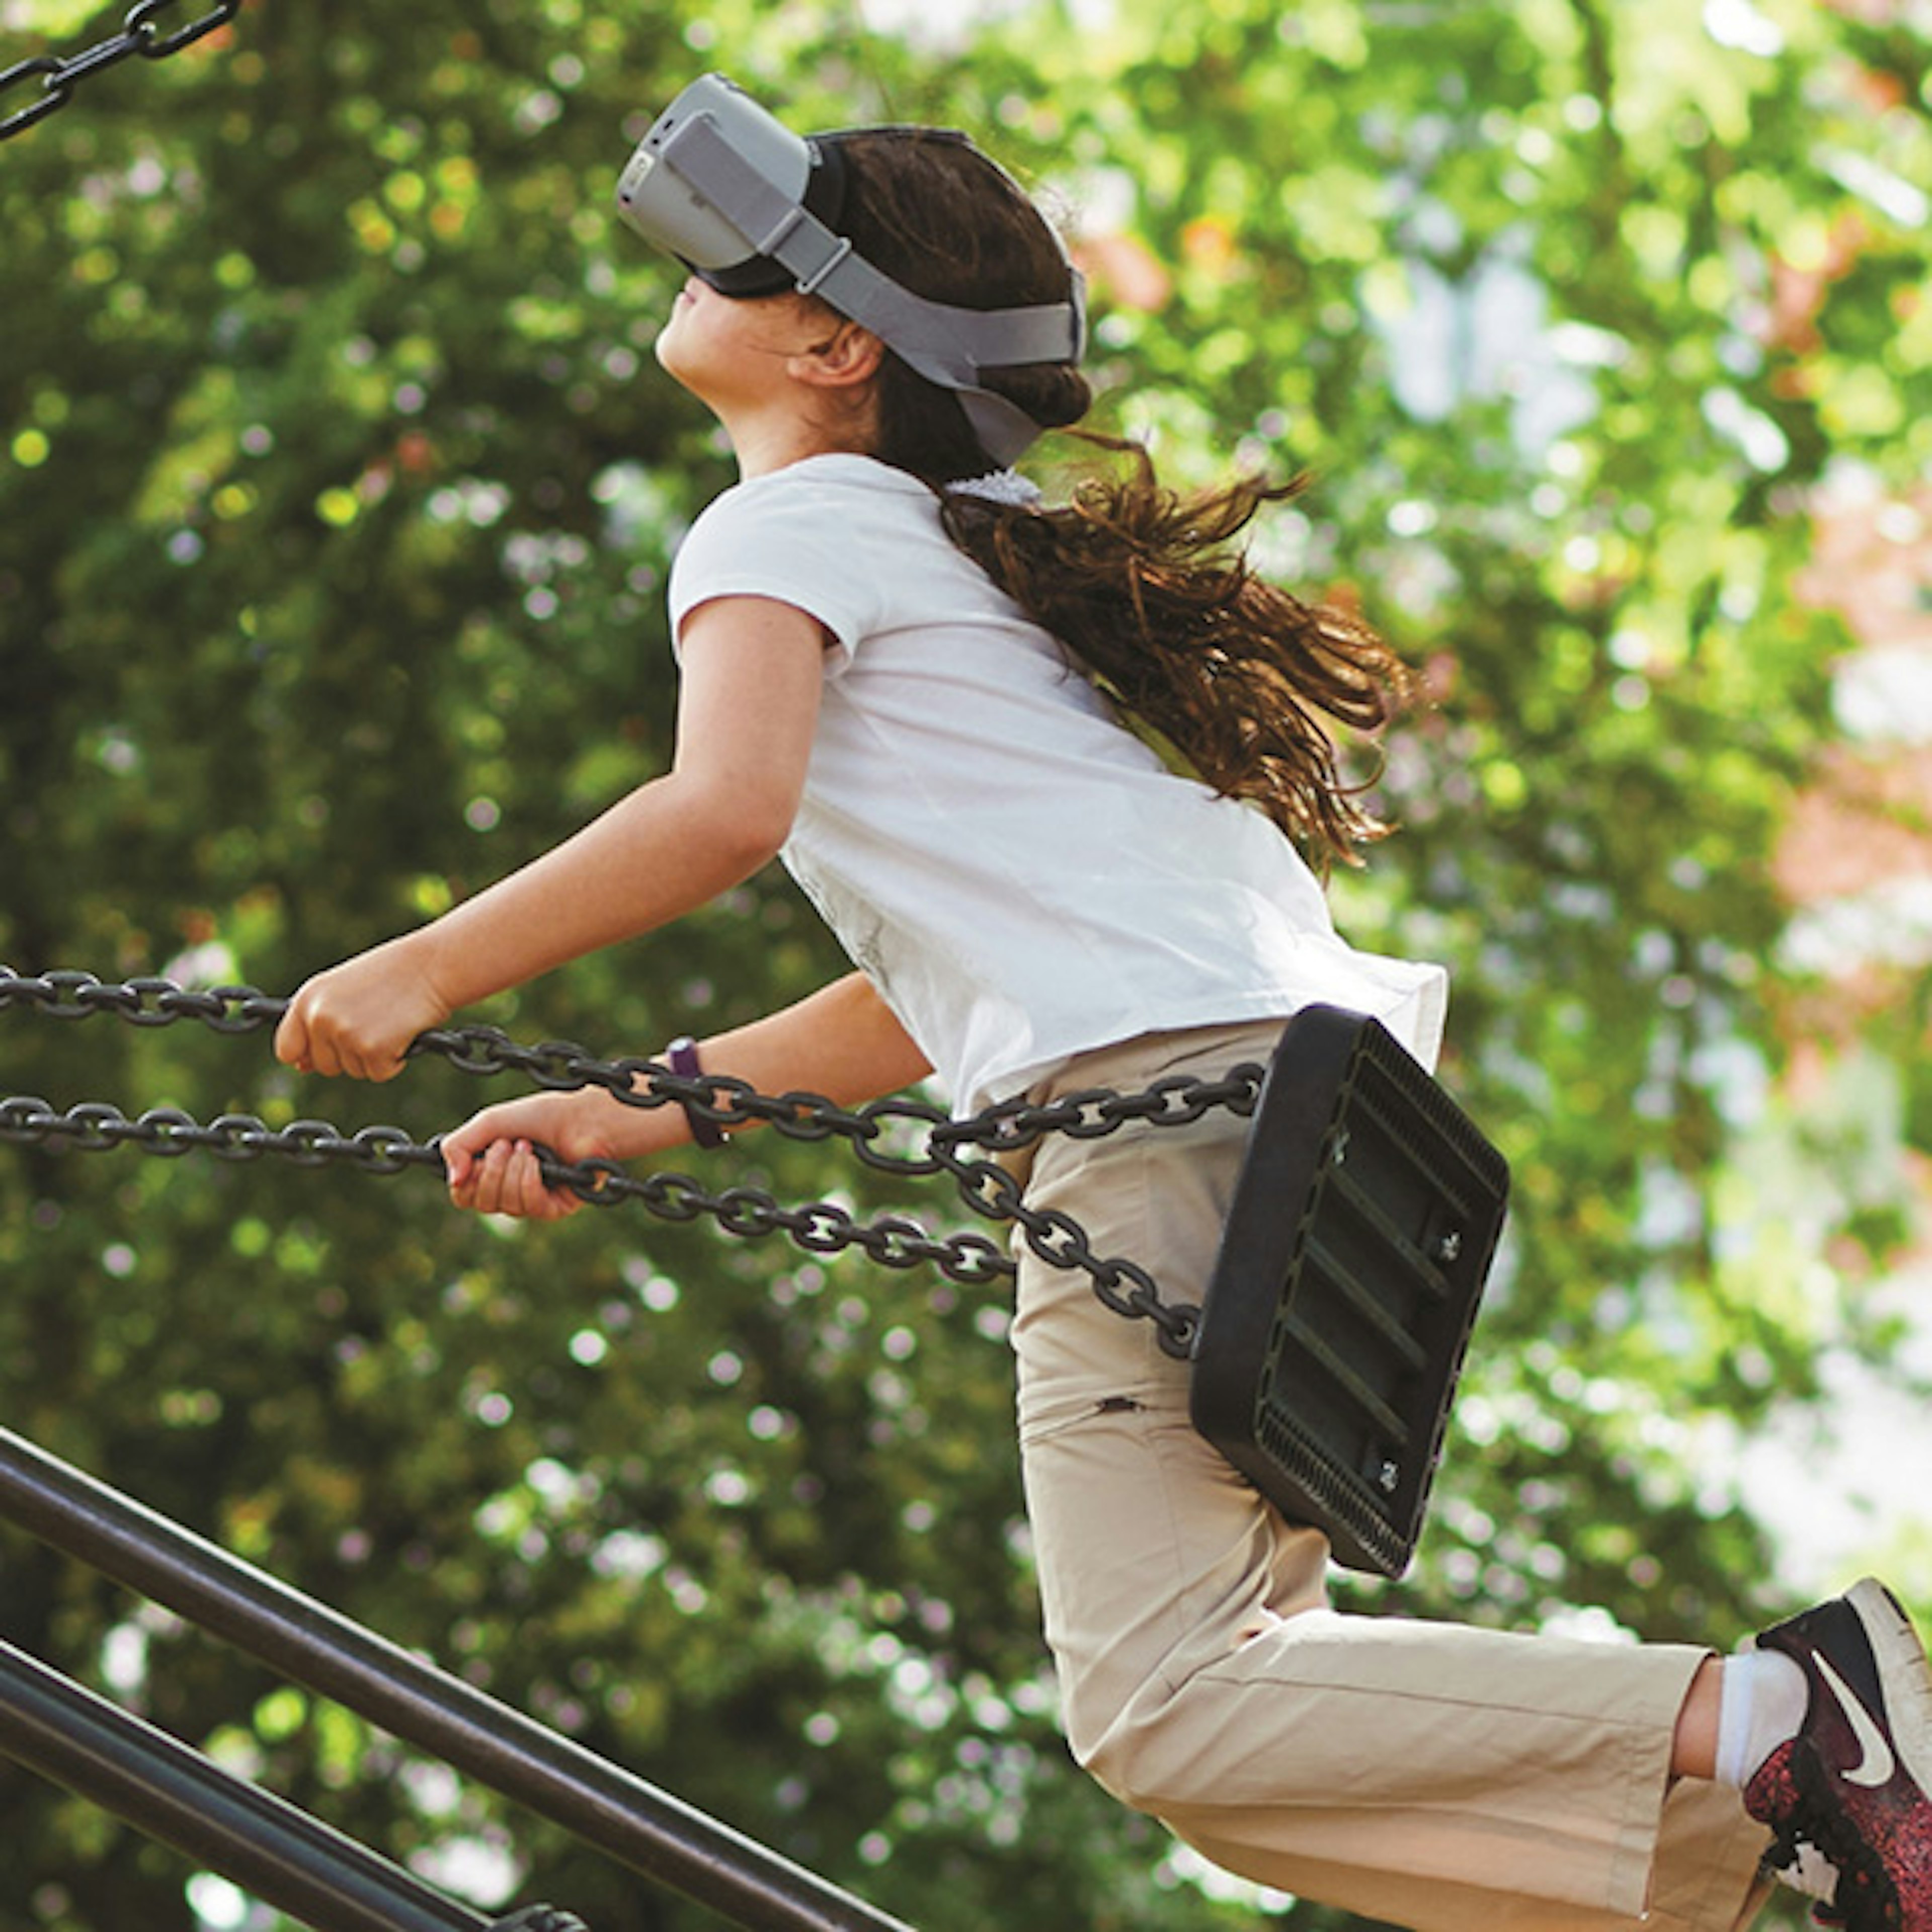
x: 1856, y: 1784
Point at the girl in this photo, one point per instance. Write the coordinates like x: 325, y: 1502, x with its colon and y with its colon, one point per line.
x: 919, y: 685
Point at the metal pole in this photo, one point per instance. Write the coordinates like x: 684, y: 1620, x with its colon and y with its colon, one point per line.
x: 266, y: 1845
x: 644, y: 1827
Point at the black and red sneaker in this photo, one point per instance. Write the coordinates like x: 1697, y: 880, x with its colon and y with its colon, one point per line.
x: 1856, y: 1784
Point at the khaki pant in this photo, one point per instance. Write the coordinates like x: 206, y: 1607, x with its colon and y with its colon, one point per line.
x: 1438, y: 1777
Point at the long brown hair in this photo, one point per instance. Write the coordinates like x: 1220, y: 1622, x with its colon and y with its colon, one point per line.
x: 1146, y: 588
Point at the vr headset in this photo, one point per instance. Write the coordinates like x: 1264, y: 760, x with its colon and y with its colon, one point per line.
x: 753, y: 209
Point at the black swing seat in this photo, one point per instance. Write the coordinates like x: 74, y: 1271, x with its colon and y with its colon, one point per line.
x: 1363, y: 1222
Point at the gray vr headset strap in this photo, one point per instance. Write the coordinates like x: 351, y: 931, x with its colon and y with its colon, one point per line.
x: 947, y: 345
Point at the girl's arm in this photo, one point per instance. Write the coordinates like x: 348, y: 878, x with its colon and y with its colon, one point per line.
x: 747, y: 709
x: 842, y: 1042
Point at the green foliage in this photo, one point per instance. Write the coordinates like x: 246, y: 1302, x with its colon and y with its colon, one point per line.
x: 339, y: 491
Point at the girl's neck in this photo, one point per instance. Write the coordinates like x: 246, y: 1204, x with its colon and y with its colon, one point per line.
x: 762, y: 447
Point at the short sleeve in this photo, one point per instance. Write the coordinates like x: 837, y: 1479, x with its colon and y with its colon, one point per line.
x: 783, y: 537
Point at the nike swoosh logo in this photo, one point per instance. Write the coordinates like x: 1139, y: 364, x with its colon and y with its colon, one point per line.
x: 1876, y: 1762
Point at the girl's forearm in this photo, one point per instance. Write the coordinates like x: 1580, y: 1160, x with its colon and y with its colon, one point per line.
x: 661, y: 852
x: 842, y: 1042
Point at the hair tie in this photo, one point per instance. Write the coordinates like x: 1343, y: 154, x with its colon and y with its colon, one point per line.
x: 999, y: 486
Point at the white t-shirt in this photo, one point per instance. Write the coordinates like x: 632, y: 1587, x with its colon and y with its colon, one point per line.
x: 1021, y: 878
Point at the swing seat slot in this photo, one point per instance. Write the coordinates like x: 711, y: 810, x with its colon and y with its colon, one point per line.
x: 1363, y: 1224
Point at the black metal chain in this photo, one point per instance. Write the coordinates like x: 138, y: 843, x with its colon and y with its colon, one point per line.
x: 97, y: 1126
x: 140, y: 33
x: 953, y: 1146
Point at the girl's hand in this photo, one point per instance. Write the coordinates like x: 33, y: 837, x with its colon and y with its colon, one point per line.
x: 359, y: 1017
x: 492, y: 1164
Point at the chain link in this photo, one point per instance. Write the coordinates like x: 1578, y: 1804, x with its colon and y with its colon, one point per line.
x: 958, y: 1147
x: 140, y: 34
x: 94, y: 1127
x: 1176, y: 1100
x: 68, y: 994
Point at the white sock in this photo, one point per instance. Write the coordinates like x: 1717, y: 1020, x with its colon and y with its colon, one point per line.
x: 1761, y: 1704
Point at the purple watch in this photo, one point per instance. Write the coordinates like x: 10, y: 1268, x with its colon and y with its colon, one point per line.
x: 682, y: 1057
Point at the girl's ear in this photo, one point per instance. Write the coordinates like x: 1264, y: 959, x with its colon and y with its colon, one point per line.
x: 849, y: 356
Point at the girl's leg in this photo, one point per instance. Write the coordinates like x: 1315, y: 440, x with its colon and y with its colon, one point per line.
x: 1438, y: 1776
